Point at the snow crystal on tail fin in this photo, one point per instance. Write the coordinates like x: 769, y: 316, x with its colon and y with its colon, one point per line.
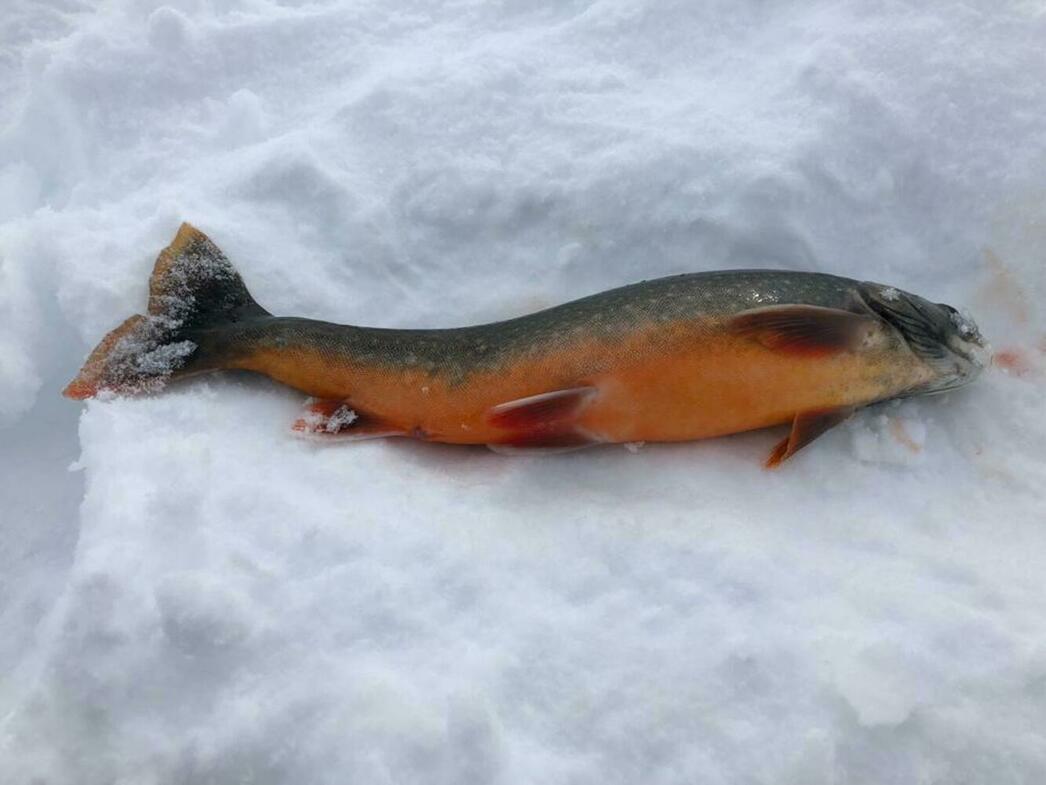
x: 193, y: 286
x: 135, y: 357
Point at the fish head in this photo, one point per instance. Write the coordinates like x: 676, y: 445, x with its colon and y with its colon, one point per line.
x: 944, y: 339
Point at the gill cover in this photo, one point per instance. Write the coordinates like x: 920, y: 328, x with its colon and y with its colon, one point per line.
x: 937, y: 333
x: 918, y: 322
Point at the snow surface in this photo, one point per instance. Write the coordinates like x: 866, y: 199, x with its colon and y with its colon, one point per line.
x: 204, y: 598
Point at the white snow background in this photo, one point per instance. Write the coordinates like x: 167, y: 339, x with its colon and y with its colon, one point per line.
x: 191, y: 595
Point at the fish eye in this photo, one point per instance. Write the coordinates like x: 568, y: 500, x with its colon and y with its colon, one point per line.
x: 963, y: 324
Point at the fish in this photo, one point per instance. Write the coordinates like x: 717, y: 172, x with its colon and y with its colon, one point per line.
x: 685, y: 357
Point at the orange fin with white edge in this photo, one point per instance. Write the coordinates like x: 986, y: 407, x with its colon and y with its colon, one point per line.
x: 543, y: 423
x: 807, y: 330
x: 807, y: 426
x: 549, y: 443
x: 337, y: 419
x: 541, y: 411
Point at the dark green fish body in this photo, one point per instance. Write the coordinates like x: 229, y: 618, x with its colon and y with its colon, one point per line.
x: 674, y: 358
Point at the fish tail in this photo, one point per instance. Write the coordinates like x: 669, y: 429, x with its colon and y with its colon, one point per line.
x: 194, y: 291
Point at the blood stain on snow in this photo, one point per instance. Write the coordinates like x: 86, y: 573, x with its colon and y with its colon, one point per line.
x: 1003, y: 290
x: 900, y: 433
x: 1013, y: 361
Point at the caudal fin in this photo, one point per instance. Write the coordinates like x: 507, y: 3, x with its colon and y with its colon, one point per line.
x: 193, y: 287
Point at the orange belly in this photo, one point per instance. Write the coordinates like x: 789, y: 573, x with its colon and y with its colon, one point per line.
x: 668, y: 382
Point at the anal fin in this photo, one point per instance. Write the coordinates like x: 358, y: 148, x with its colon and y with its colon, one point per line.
x: 807, y: 426
x: 328, y: 418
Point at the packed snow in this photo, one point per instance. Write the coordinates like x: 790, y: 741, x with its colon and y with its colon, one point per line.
x: 190, y: 594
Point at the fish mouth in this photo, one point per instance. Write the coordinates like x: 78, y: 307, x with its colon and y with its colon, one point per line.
x: 981, y: 355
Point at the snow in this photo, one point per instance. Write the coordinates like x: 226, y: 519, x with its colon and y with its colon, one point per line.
x: 189, y: 594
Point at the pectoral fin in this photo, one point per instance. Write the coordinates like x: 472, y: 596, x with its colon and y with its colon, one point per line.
x: 807, y: 426
x: 807, y: 330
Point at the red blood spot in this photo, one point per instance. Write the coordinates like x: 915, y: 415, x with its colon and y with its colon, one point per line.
x: 1012, y: 361
x: 900, y: 433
